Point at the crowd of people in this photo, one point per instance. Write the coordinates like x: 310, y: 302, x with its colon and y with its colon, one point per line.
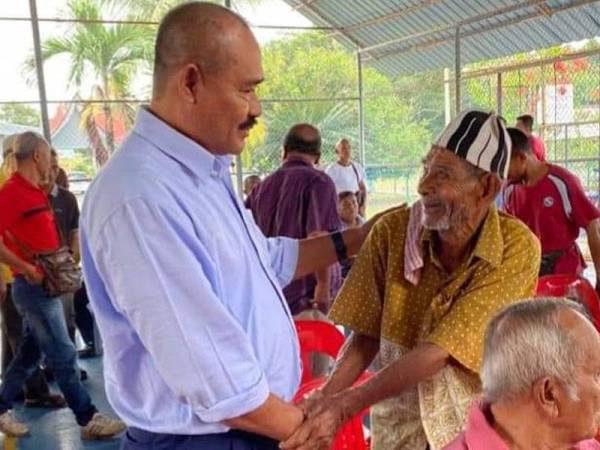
x: 195, y: 292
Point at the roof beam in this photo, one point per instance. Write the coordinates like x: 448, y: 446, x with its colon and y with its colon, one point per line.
x: 310, y: 10
x: 539, y: 62
x: 502, y: 24
x: 393, y: 15
x: 453, y: 26
x: 303, y: 4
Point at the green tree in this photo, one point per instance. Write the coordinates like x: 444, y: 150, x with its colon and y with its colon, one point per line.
x: 110, y: 53
x: 313, y: 66
x: 19, y: 114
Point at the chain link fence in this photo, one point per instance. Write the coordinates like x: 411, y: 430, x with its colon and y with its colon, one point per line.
x: 561, y: 92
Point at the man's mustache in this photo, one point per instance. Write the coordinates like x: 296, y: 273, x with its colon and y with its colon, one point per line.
x: 248, y: 123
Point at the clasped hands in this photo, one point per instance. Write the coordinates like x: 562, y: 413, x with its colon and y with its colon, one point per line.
x: 323, y: 417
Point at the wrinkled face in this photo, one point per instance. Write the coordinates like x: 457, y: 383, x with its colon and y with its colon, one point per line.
x: 348, y: 209
x: 43, y: 163
x: 449, y: 193
x: 580, y: 419
x: 226, y: 103
x: 344, y: 150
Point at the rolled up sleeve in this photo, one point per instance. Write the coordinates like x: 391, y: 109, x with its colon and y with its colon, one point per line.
x: 160, y: 278
x: 283, y: 256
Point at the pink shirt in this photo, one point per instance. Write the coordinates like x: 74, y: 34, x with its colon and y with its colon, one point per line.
x: 479, y: 435
x: 537, y: 147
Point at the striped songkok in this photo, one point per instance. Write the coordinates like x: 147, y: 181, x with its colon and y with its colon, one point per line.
x: 480, y: 138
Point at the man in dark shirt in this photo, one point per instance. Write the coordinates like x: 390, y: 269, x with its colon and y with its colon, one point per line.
x: 66, y: 214
x: 299, y: 201
x: 65, y: 207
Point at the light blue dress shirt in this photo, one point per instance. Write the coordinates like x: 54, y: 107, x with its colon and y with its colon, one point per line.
x: 185, y: 288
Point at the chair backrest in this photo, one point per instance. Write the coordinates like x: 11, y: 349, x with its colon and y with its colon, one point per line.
x: 574, y: 288
x: 317, y: 337
x: 351, y: 435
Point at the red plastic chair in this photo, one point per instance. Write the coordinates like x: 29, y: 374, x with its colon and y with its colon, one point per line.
x: 575, y: 288
x: 351, y: 435
x: 317, y: 336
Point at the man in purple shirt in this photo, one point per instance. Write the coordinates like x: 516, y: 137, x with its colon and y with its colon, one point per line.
x: 299, y: 201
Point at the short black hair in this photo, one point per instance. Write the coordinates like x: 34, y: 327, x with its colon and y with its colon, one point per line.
x: 296, y: 140
x: 344, y: 194
x: 194, y: 32
x: 527, y: 120
x: 520, y: 141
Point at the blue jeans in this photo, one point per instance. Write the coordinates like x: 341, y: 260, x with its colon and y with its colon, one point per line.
x: 45, y: 329
x: 136, y: 439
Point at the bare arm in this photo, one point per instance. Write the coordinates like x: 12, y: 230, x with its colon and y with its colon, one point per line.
x: 417, y: 365
x: 274, y: 418
x: 355, y: 357
x: 74, y: 244
x: 593, y: 234
x: 318, y: 252
x: 10, y: 259
x: 362, y: 187
x: 323, y: 288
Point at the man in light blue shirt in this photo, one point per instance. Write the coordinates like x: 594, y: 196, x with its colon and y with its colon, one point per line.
x: 200, y: 346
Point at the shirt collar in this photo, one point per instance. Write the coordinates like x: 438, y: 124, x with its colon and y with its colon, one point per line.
x: 296, y: 161
x: 478, y: 430
x: 174, y: 144
x: 24, y: 182
x: 490, y: 243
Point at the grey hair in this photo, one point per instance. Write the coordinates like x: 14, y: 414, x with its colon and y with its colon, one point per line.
x: 524, y: 343
x: 26, y: 144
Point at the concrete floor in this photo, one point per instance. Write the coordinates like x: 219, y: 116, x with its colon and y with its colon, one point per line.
x: 57, y: 429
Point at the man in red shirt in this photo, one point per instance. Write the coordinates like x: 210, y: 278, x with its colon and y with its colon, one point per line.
x: 525, y: 124
x: 27, y: 227
x: 553, y: 204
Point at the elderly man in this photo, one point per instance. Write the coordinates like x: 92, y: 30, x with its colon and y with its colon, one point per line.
x: 540, y: 381
x: 37, y: 392
x: 421, y: 292
x: 28, y: 228
x: 200, y: 346
x: 348, y: 175
x: 298, y: 200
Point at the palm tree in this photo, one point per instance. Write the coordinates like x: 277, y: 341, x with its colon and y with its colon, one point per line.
x: 111, y: 54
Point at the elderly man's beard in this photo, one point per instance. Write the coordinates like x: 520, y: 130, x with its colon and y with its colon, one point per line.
x: 437, y: 215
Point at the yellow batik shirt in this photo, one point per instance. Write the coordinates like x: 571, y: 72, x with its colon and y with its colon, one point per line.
x: 449, y: 310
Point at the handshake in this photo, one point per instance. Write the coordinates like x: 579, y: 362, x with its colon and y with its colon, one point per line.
x: 324, y: 415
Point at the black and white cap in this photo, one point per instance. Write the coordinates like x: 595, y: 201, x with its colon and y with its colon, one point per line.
x: 480, y: 138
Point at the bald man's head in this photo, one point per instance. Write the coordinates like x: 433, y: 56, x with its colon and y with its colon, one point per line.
x: 194, y: 33
x: 207, y: 70
x: 303, y: 138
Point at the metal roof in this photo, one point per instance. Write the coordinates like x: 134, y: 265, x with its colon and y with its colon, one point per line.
x: 412, y: 36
